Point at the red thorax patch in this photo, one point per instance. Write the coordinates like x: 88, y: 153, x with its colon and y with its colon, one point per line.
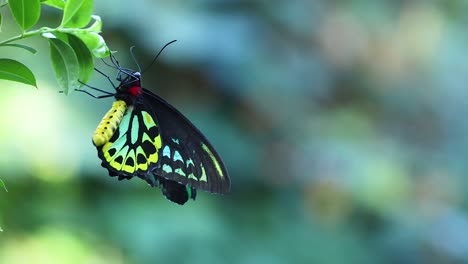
x: 135, y: 90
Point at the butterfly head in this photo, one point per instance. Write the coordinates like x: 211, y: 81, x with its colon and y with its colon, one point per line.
x: 129, y: 88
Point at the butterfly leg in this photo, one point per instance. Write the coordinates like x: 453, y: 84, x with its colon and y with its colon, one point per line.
x: 96, y: 89
x: 94, y: 96
x: 107, y: 76
x: 107, y: 94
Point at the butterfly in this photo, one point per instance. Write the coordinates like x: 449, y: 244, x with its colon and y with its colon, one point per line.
x: 144, y: 136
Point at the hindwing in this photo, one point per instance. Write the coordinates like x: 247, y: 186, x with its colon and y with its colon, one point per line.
x: 134, y: 148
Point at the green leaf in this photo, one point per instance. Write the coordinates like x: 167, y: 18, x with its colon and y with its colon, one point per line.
x: 15, y: 71
x: 90, y: 36
x: 94, y: 42
x: 2, y: 184
x: 97, y: 25
x: 60, y: 4
x: 1, y: 22
x: 77, y: 13
x: 84, y: 56
x: 65, y: 64
x: 30, y: 49
x: 25, y: 12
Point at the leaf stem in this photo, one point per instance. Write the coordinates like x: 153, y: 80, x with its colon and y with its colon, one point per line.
x: 29, y: 34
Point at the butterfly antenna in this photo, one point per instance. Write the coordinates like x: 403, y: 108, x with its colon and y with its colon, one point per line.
x: 115, y: 64
x: 157, y: 55
x: 134, y: 59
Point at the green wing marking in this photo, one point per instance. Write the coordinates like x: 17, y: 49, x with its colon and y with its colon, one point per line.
x: 134, y: 148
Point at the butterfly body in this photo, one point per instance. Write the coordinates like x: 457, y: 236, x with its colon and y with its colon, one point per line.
x: 144, y: 136
x: 109, y: 123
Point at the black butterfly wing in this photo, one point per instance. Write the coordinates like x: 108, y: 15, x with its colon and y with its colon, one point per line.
x: 134, y: 148
x: 186, y: 156
x: 174, y: 191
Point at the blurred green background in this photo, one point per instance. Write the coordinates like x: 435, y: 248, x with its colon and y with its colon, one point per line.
x: 342, y: 124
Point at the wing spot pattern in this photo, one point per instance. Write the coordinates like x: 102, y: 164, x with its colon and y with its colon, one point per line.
x: 203, y: 176
x: 167, y: 152
x: 177, y: 156
x: 167, y: 168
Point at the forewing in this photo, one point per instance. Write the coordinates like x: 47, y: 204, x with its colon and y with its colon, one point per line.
x: 186, y: 156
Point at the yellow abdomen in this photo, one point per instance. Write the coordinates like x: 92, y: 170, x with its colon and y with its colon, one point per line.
x: 109, y: 123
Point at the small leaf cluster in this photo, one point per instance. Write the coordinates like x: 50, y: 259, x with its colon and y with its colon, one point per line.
x: 73, y: 44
